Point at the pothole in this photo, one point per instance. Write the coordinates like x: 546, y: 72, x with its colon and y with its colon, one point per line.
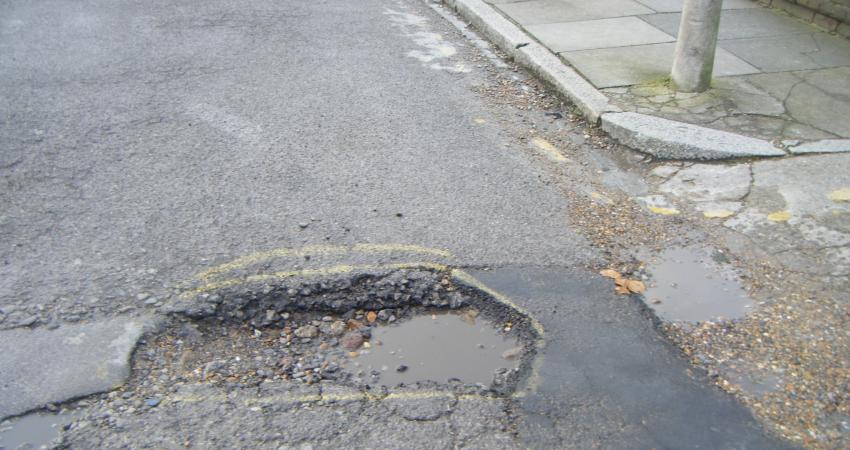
x: 373, y: 332
x: 438, y: 347
x: 35, y: 430
x: 693, y: 284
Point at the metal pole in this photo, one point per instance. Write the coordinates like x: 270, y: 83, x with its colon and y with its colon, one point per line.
x: 694, y: 58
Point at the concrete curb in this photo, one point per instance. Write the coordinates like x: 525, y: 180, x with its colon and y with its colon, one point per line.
x: 662, y: 138
x: 533, y: 56
x: 668, y: 139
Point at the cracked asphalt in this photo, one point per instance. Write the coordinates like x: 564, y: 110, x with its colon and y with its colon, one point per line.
x: 146, y: 143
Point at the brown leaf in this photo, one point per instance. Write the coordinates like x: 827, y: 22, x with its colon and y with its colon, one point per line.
x: 620, y: 281
x: 354, y: 324
x: 371, y: 316
x: 610, y: 273
x: 621, y: 290
x: 635, y: 286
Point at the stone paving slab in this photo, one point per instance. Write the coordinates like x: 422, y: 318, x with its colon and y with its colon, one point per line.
x: 623, y: 66
x: 552, y: 11
x: 776, y: 79
x: 43, y: 366
x: 791, y: 52
x: 664, y: 6
x: 823, y: 146
x: 737, y: 24
x: 601, y: 33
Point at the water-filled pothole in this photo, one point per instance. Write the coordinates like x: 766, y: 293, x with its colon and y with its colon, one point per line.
x: 34, y: 430
x: 693, y: 284
x: 404, y: 329
x: 438, y: 347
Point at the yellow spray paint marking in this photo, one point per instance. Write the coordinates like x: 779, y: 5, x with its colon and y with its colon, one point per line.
x: 840, y: 195
x: 718, y: 214
x: 325, y: 271
x: 480, y: 121
x: 663, y: 211
x: 779, y: 216
x: 548, y: 149
x: 318, y: 250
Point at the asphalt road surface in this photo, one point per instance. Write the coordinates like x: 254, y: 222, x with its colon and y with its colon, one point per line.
x: 144, y: 142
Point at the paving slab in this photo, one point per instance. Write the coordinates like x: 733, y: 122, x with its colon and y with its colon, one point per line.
x: 40, y: 366
x: 668, y: 139
x: 710, y: 183
x: 600, y: 33
x: 738, y: 23
x: 664, y: 6
x: 819, y: 103
x: 551, y: 11
x: 822, y: 146
x: 791, y: 52
x: 624, y: 66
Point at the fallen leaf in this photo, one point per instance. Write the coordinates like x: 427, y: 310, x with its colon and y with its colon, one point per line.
x: 779, y: 216
x: 354, y: 324
x: 610, y: 273
x: 620, y: 281
x: 664, y: 211
x: 371, y: 316
x: 621, y: 290
x: 840, y: 195
x: 636, y: 286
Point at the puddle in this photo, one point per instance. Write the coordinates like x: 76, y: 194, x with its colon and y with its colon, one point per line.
x: 437, y: 348
x: 33, y: 430
x: 691, y: 285
x: 752, y: 382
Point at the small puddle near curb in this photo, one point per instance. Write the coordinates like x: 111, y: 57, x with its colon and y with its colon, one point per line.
x: 438, y: 347
x: 692, y: 284
x: 754, y: 382
x: 35, y: 430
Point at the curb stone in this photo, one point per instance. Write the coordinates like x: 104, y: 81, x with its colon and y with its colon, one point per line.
x: 662, y: 138
x: 668, y: 139
x: 530, y: 54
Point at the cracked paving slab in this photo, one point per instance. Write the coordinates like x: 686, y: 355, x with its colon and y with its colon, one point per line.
x: 43, y: 366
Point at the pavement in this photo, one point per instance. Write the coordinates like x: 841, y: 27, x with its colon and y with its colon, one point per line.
x: 777, y: 79
x: 155, y: 154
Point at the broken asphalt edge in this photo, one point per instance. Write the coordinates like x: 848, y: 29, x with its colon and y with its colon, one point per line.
x: 662, y: 138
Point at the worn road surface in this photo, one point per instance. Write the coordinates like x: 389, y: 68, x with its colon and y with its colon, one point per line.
x: 144, y: 142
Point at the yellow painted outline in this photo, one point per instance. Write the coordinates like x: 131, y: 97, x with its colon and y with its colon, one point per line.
x: 255, y: 258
